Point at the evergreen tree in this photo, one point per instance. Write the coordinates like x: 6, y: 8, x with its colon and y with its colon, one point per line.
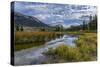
x: 17, y: 28
x: 84, y: 25
x: 21, y: 28
x: 89, y: 24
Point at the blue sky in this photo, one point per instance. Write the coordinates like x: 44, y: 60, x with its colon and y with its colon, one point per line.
x: 54, y: 14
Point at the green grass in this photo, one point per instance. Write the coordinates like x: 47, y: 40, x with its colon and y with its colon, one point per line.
x: 63, y: 54
x: 85, y: 50
x: 88, y: 45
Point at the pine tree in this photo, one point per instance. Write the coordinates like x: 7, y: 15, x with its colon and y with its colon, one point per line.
x: 17, y: 28
x: 84, y: 25
x: 89, y: 24
x: 21, y: 28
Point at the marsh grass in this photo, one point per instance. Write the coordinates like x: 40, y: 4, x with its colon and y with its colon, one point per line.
x: 63, y: 54
x: 88, y: 45
x: 24, y: 40
x: 85, y: 50
x: 35, y: 35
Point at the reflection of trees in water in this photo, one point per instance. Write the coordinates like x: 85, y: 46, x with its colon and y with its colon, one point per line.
x: 39, y: 40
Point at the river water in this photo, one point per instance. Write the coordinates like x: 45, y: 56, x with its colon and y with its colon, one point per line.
x: 35, y: 55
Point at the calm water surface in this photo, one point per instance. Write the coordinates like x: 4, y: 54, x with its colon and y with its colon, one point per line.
x: 35, y: 55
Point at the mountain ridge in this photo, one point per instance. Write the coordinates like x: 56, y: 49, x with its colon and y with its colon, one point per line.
x: 24, y: 20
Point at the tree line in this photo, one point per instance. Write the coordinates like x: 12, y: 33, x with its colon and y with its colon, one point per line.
x: 91, y: 25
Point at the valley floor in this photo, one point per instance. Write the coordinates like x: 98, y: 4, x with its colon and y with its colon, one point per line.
x: 85, y: 50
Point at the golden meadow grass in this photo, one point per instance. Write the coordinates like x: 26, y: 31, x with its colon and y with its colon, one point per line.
x: 32, y: 38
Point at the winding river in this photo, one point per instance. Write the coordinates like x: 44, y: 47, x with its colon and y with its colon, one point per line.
x: 35, y: 55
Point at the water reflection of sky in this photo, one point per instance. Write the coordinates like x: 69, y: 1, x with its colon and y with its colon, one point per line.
x: 70, y: 41
x: 65, y: 40
x: 33, y: 56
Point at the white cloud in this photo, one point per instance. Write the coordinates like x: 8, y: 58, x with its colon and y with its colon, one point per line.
x: 37, y: 7
x: 53, y: 14
x: 56, y: 22
x: 68, y: 25
x: 41, y: 16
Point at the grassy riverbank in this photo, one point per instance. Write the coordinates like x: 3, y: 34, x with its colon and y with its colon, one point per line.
x: 85, y: 50
x: 24, y: 40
